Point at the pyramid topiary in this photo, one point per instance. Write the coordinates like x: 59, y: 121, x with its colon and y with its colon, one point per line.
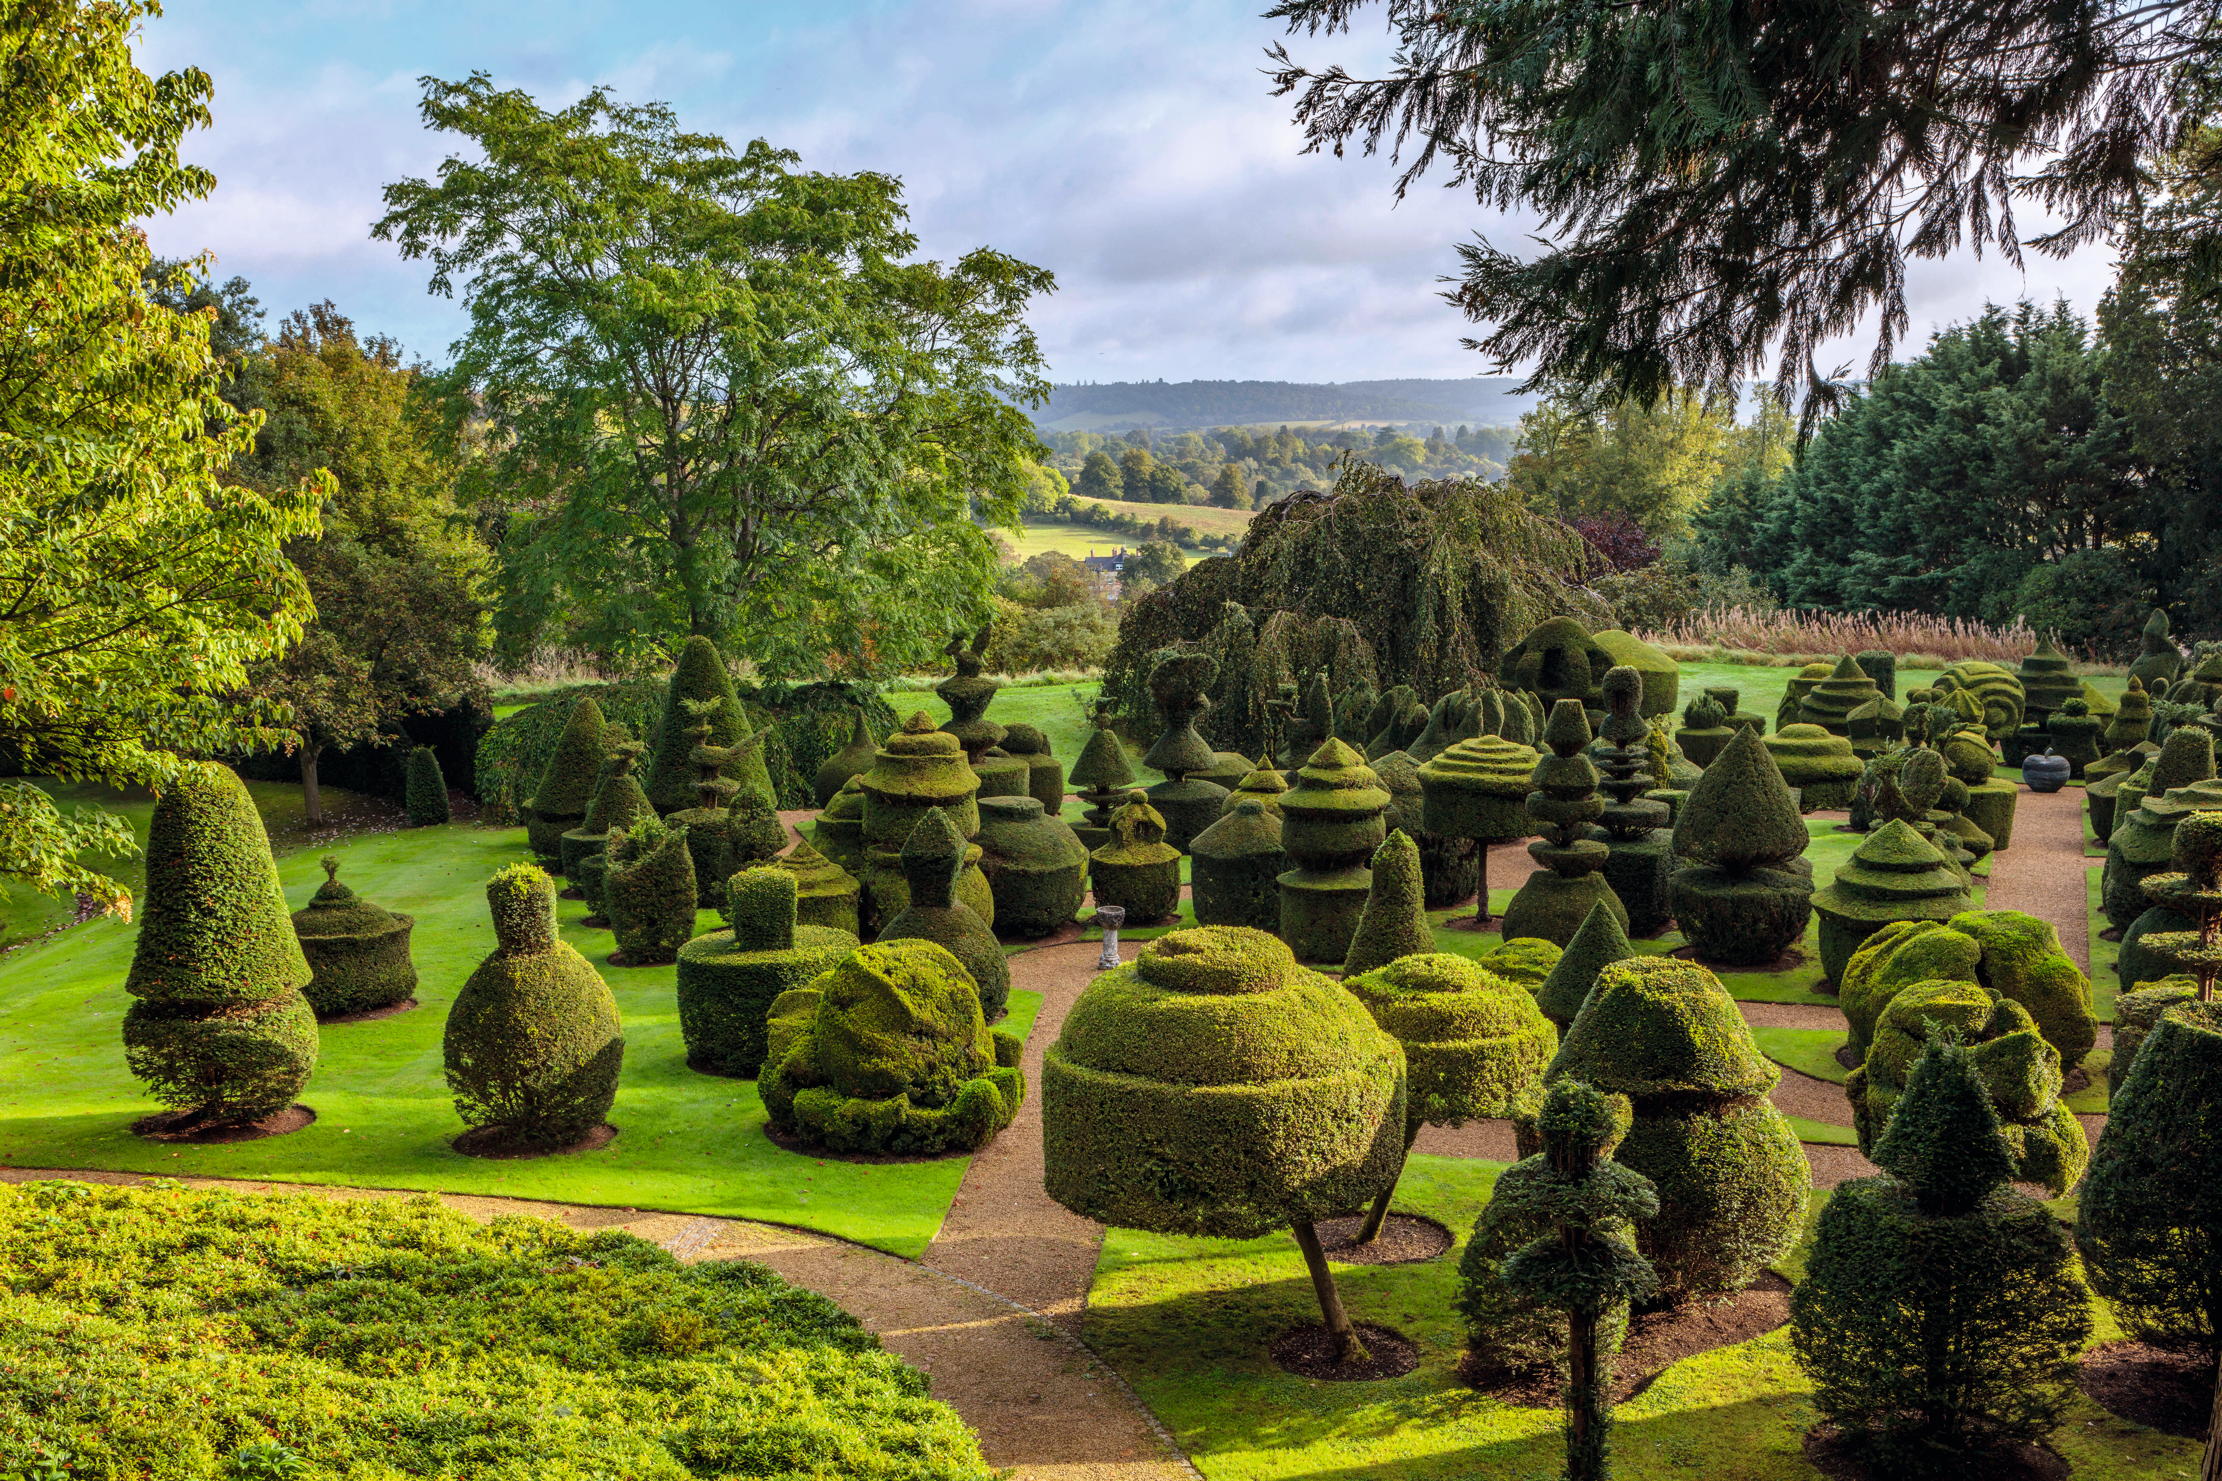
x: 1731, y: 1179
x: 1137, y: 870
x: 1102, y: 776
x: 1450, y: 868
x: 568, y: 781
x: 1598, y: 944
x: 1187, y: 802
x: 846, y: 764
x: 1035, y: 864
x: 424, y: 790
x: 919, y: 770
x: 894, y: 1056
x: 1742, y: 898
x: 217, y: 1029
x: 1794, y: 692
x: 699, y: 674
x: 1214, y: 1088
x: 1893, y: 875
x: 825, y: 893
x: 2046, y: 686
x: 728, y: 979
x: 358, y: 953
x: 1640, y: 862
x: 650, y: 892
x: 1478, y: 789
x: 1563, y: 803
x: 2018, y: 1070
x: 1829, y: 703
x: 1263, y: 785
x: 1820, y: 766
x: 1331, y: 822
x: 1705, y: 729
x: 1393, y: 922
x: 1045, y: 774
x: 931, y: 862
x: 619, y: 804
x: 1235, y: 869
x: 1558, y: 659
x: 1941, y: 1313
x: 2017, y: 956
x: 533, y: 1044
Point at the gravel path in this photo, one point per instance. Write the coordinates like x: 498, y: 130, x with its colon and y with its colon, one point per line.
x: 2043, y: 874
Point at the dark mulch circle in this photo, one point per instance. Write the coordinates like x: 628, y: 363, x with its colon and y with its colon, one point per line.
x: 1405, y: 1239
x: 185, y: 1127
x: 1472, y: 923
x: 570, y: 892
x: 619, y: 959
x: 496, y: 1144
x: 788, y: 1143
x: 1309, y: 1352
x: 2160, y: 1388
x: 1789, y: 961
x: 1656, y: 1341
x: 2111, y: 933
x: 2076, y: 1079
x: 370, y: 1015
x: 1824, y: 1449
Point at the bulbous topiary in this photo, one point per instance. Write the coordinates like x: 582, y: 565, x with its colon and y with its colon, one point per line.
x: 2016, y: 955
x: 968, y: 693
x: 1893, y: 875
x: 1235, y: 869
x: 1563, y: 804
x: 1393, y: 922
x: 1137, y: 870
x: 1597, y: 945
x: 358, y: 953
x: 1331, y: 822
x: 567, y: 783
x: 1036, y: 866
x: 728, y: 979
x: 424, y: 790
x: 1818, y: 765
x: 846, y: 764
x: 1731, y: 1178
x: 217, y: 1029
x: 650, y: 892
x: 1741, y: 899
x: 892, y: 1055
x: 1829, y: 703
x: 931, y: 862
x: 1045, y: 774
x: 533, y: 1044
x: 699, y: 674
x: 2158, y: 659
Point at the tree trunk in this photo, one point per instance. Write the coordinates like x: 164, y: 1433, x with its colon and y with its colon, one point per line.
x: 1379, y: 1213
x: 312, y: 800
x: 1481, y: 899
x: 1586, y: 1414
x: 1348, y: 1349
x: 2210, y: 1467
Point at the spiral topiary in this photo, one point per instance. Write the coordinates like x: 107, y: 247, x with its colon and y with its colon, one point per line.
x: 567, y: 783
x: 1895, y: 874
x: 619, y: 804
x: 1235, y: 869
x: 2016, y: 955
x: 699, y: 674
x: 1331, y: 822
x: 358, y: 953
x: 728, y: 979
x: 1745, y: 894
x: 931, y: 861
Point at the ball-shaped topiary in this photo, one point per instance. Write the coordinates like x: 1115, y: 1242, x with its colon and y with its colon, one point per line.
x: 1820, y: 766
x: 1598, y: 944
x: 932, y: 859
x: 728, y: 980
x: 1331, y: 822
x: 825, y: 893
x: 1035, y: 864
x: 699, y: 674
x: 893, y: 1056
x: 2016, y: 955
x: 358, y: 953
x: 650, y: 892
x: 1137, y: 870
x: 1742, y: 898
x: 217, y: 1028
x: 1235, y: 869
x: 567, y: 782
x: 1895, y: 874
x: 533, y: 1044
x: 424, y: 790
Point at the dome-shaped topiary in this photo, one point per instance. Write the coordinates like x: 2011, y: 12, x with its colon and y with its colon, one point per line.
x: 1661, y: 675
x: 650, y: 892
x: 825, y: 893
x: 846, y: 764
x: 1558, y: 659
x: 358, y: 953
x: 1552, y: 902
x: 1035, y: 865
x: 1742, y: 898
x: 1045, y: 774
x: 1829, y: 703
x: 892, y: 1055
x: 1597, y: 945
x: 1235, y: 869
x: 533, y: 1044
x: 1137, y: 870
x: 218, y: 1029
x: 699, y: 674
x: 932, y: 860
x: 424, y: 790
x: 728, y: 979
x: 1331, y: 822
x: 1818, y: 765
x: 567, y: 782
x: 2016, y: 955
x: 1393, y: 923
x: 1893, y: 875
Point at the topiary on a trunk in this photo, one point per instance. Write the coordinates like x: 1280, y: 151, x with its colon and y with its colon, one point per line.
x: 1478, y: 790
x: 1745, y: 894
x: 567, y: 783
x: 1102, y: 776
x: 424, y: 790
x: 932, y: 860
x: 650, y: 892
x: 1393, y: 923
x: 358, y: 953
x: 728, y: 979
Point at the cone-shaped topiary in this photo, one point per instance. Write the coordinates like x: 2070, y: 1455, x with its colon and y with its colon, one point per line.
x: 2018, y: 1069
x: 424, y: 790
x: 699, y: 674
x: 1597, y: 945
x: 619, y: 804
x: 1450, y: 868
x: 2159, y: 660
x: 851, y: 761
x: 1820, y: 766
x: 2131, y: 723
x: 1035, y: 864
x: 650, y: 892
x: 1829, y: 703
x: 931, y: 862
x: 533, y: 1044
x: 825, y: 893
x: 358, y: 953
x: 1478, y: 790
x: 1704, y: 731
x: 729, y: 979
x: 1893, y: 875
x: 1263, y: 784
x: 2074, y: 735
x: 1235, y: 869
x: 1742, y: 898
x: 1394, y: 921
x: 217, y: 1029
x: 1186, y: 802
x: 1640, y: 862
x: 1137, y: 869
x: 1563, y: 803
x: 1102, y: 776
x: 1941, y: 1312
x: 839, y: 830
x: 919, y: 770
x: 1213, y: 1087
x: 567, y: 783
x: 1331, y: 822
x: 1558, y: 659
x: 2018, y: 956
x: 1881, y: 667
x: 1045, y: 774
x: 1731, y: 1179
x: 894, y: 1057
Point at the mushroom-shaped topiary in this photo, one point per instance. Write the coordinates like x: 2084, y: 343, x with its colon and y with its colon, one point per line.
x: 1045, y: 774
x: 846, y: 764
x: 424, y: 790
x: 1393, y: 923
x: 1829, y: 703
x: 1137, y: 870
x: 358, y: 953
x: 1820, y: 766
x: 825, y: 893
x: 1597, y: 945
x: 1639, y: 864
x: 1331, y: 822
x: 1895, y: 874
x: 1478, y: 789
x: 1745, y: 895
x: 1213, y: 1087
x: 1036, y: 866
x: 650, y: 892
x: 1235, y: 869
x: 892, y: 1055
x: 728, y: 979
x: 217, y: 1028
x: 2016, y: 955
x: 1102, y: 776
x: 931, y: 862
x: 567, y: 782
x: 700, y: 675
x: 533, y: 1044
x: 1550, y: 905
x: 1186, y: 802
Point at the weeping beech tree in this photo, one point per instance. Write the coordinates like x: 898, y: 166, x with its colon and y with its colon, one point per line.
x: 1375, y: 584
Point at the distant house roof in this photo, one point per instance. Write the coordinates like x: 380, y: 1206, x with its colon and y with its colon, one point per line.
x: 1114, y: 562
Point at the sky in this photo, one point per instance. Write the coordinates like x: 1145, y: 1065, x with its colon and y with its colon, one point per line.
x: 1132, y: 147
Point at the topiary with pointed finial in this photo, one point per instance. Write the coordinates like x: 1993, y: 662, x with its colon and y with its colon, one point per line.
x: 650, y: 892
x: 1597, y: 945
x: 1331, y: 822
x: 1137, y: 870
x: 698, y: 674
x: 1235, y: 868
x: 1829, y: 703
x: 358, y: 953
x: 968, y: 693
x: 1640, y: 861
x: 920, y: 769
x: 709, y: 823
x: 1550, y: 905
x: 619, y: 804
x: 728, y: 979
x: 2018, y: 956
x: 1746, y: 893
x: 932, y: 860
x: 2046, y: 685
x: 1102, y: 776
x: 1895, y: 874
x: 1393, y: 922
x: 825, y: 893
x: 1478, y: 790
x: 568, y: 781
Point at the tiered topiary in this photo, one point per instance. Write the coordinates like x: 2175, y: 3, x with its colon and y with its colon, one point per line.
x: 1597, y: 945
x: 2190, y: 891
x: 1745, y: 893
x: 218, y: 1029
x: 1474, y: 1045
x: 567, y: 784
x: 1331, y: 822
x: 424, y: 790
x: 2019, y: 1071
x: 968, y: 693
x: 838, y: 831
x: 1135, y: 868
x: 709, y: 823
x: 1794, y: 693
x: 650, y: 892
x: 1235, y: 868
x: 2015, y: 955
x: 1102, y: 776
x: 2046, y: 685
x: 699, y: 675
x: 619, y: 804
x: 1261, y: 784
x: 1045, y: 774
x: 1393, y: 922
x: 1478, y: 790
x: 1731, y: 1179
x: 891, y: 1054
x: 1705, y: 729
x: 2159, y: 661
x: 1820, y: 766
x: 1641, y: 861
x: 358, y: 953
x: 846, y: 764
x: 1895, y: 874
x: 2128, y: 736
x: 2073, y: 732
x: 920, y: 770
x: 1873, y: 726
x: 1558, y: 659
x: 533, y: 1044
x: 1450, y: 868
x: 1186, y: 802
x: 728, y: 979
x: 1214, y: 1088
x: 825, y: 893
x: 1881, y: 666
x: 1035, y: 864
x: 931, y: 862
x: 1829, y: 704
x: 1550, y: 905
x: 2140, y: 842
x: 1941, y: 1312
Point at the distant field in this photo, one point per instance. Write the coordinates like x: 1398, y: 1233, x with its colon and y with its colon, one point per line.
x: 1208, y: 519
x: 1077, y: 541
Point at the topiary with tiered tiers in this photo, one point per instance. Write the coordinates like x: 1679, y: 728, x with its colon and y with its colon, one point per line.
x: 1641, y: 860
x: 1331, y: 822
x: 1562, y: 804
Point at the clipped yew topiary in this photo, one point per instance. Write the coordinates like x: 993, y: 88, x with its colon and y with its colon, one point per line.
x: 1995, y: 690
x: 358, y: 953
x: 1941, y: 1312
x: 1731, y: 1179
x: 838, y: 831
x: 1558, y: 659
x: 931, y: 862
x: 1235, y: 869
x: 1186, y: 802
x: 892, y: 1055
x: 533, y: 1044
x: 1745, y: 894
x: 1331, y: 822
x: 1137, y: 870
x: 2136, y: 1013
x: 1564, y: 803
x: 217, y: 1029
x: 1215, y: 1088
x: 1640, y: 862
x: 567, y: 783
x: 1261, y: 784
x: 919, y: 770
x: 1394, y: 921
x: 619, y: 804
x: 1829, y: 703
x: 1704, y: 729
x: 2143, y: 836
x: 1881, y: 666
x: 700, y: 675
x: 1895, y: 874
x: 846, y: 764
x: 1818, y: 765
x: 2073, y: 733
x: 1450, y: 867
x: 728, y: 979
x: 2016, y: 955
x: 825, y: 893
x: 650, y: 891
x: 1477, y: 789
x: 424, y: 790
x: 1661, y: 676
x: 1036, y: 866
x: 1045, y: 774
x: 1794, y: 692
x: 2159, y: 660
x: 1102, y: 776
x: 1597, y: 945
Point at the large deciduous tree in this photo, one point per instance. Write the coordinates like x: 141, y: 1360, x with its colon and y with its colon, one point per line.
x: 724, y: 396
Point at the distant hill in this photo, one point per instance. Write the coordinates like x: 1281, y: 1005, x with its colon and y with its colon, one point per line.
x: 1478, y: 401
